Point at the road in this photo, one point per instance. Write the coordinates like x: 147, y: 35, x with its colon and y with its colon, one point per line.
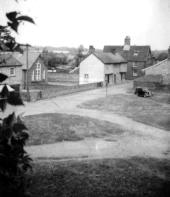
x: 140, y: 140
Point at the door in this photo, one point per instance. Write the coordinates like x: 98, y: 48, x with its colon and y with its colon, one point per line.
x: 24, y: 79
x: 114, y: 79
x: 107, y: 78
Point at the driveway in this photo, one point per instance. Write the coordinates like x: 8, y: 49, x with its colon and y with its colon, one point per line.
x: 140, y: 140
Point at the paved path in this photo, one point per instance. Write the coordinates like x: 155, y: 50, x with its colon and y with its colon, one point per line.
x: 140, y: 140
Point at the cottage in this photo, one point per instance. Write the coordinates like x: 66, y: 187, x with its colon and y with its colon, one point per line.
x: 11, y: 67
x: 138, y: 57
x: 37, y: 71
x: 102, y: 67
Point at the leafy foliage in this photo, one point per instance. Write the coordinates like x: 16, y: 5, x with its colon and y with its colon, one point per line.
x: 8, y: 42
x: 162, y: 56
x: 15, y: 18
x: 2, y: 77
x: 53, y: 60
x: 14, y: 161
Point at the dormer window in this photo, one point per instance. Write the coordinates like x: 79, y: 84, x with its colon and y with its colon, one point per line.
x: 136, y: 53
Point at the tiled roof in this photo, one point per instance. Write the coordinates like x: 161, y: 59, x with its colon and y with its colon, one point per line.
x: 109, y: 58
x: 32, y: 57
x: 136, y: 53
x: 7, y: 59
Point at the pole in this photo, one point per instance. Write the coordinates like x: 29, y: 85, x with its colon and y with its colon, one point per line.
x: 27, y: 82
x: 106, y: 87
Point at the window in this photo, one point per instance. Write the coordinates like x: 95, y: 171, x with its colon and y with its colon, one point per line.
x: 38, y: 71
x: 136, y: 53
x: 86, y: 76
x: 134, y: 70
x: 11, y: 71
x: 33, y: 75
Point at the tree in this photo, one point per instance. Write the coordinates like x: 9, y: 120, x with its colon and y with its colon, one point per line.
x: 79, y: 55
x: 14, y: 161
x: 162, y: 56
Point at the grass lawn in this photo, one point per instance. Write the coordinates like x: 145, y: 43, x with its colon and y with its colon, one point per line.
x: 135, y: 177
x: 51, y: 128
x: 154, y: 111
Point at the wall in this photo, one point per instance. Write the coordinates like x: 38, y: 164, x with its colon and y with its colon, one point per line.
x: 30, y: 71
x: 50, y: 91
x: 152, y: 86
x: 94, y: 68
x: 162, y: 68
x: 123, y: 67
x: 34, y: 95
x: 139, y: 65
x: 63, y: 77
x: 33, y: 68
x: 17, y: 79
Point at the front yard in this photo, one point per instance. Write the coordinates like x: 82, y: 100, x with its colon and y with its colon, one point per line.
x: 154, y: 111
x: 135, y: 177
x: 51, y: 128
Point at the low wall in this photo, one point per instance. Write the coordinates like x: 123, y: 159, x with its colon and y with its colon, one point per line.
x: 69, y: 90
x: 50, y: 91
x: 152, y: 86
x: 34, y: 95
x: 63, y: 77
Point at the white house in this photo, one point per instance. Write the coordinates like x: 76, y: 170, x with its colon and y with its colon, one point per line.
x: 102, y: 67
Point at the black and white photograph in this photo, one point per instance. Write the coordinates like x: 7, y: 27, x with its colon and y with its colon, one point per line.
x: 84, y: 98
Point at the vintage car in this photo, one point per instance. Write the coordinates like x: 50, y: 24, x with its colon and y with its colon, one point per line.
x: 143, y: 92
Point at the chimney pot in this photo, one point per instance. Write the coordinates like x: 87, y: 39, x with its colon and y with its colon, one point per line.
x: 91, y: 49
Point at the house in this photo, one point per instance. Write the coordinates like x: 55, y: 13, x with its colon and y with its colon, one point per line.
x: 138, y: 57
x: 37, y: 71
x: 11, y: 67
x: 102, y: 67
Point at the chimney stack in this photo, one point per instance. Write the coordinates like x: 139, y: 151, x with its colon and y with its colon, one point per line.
x: 127, y: 43
x: 91, y: 49
x: 169, y: 53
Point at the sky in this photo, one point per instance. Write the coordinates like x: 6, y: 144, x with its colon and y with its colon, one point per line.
x: 92, y: 22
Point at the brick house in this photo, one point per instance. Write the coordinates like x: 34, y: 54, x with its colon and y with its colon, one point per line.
x: 102, y: 67
x: 138, y: 57
x: 11, y: 67
x: 37, y: 71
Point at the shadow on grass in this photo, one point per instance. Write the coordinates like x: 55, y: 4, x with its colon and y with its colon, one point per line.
x: 100, y: 178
